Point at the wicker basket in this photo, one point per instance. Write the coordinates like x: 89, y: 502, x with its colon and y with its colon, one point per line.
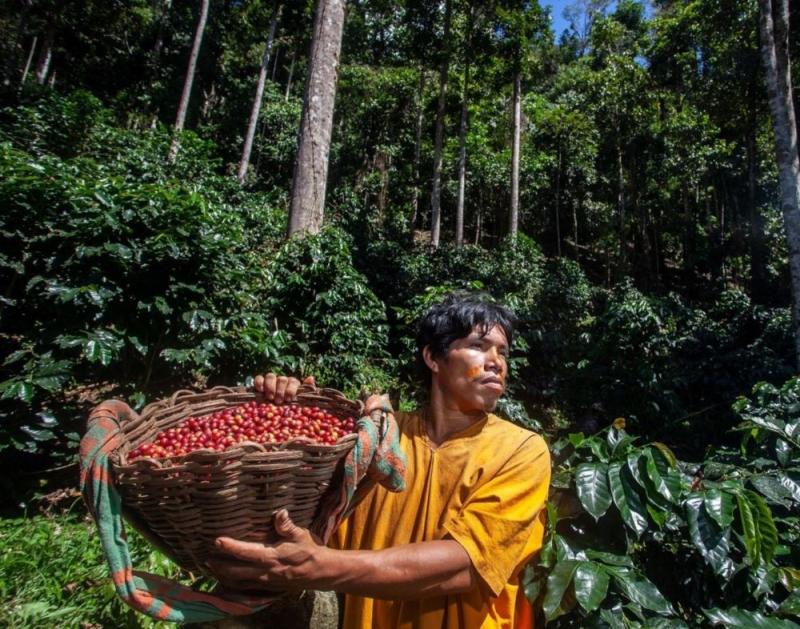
x: 182, y: 504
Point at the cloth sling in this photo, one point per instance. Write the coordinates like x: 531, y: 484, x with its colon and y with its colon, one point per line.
x: 375, y: 458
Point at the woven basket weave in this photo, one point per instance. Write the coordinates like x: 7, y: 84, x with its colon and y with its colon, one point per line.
x: 182, y: 504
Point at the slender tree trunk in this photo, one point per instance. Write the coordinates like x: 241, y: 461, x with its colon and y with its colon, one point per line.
x: 513, y: 222
x: 436, y: 188
x: 415, y: 192
x: 462, y: 159
x: 180, y: 120
x: 256, y: 108
x: 775, y: 52
x: 558, y: 201
x: 311, y: 165
x: 275, y: 64
x: 758, y: 254
x: 620, y: 199
x: 575, y: 229
x: 289, y: 80
x: 28, y: 62
x: 45, y: 55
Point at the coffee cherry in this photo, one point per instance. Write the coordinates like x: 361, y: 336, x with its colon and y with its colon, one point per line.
x: 258, y: 422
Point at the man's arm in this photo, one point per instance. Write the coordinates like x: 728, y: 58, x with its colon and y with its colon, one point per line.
x: 409, y: 571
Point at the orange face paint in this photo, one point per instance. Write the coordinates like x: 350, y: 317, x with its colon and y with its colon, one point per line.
x: 474, y: 372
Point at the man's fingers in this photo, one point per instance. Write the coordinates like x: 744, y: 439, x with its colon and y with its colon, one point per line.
x: 270, y: 381
x: 281, y: 383
x: 311, y: 381
x: 286, y: 528
x: 258, y: 383
x: 246, y: 551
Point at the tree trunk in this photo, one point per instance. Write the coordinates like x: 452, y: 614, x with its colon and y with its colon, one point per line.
x: 45, y: 55
x: 289, y: 80
x: 256, y: 109
x: 775, y: 52
x: 513, y: 221
x: 180, y: 120
x: 462, y: 159
x: 275, y: 64
x: 436, y: 188
x: 311, y: 165
x: 558, y: 199
x: 28, y: 62
x: 758, y: 254
x: 417, y: 149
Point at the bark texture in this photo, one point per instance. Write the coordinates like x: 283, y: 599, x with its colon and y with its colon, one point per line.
x: 180, y: 120
x: 513, y: 218
x: 256, y: 108
x: 462, y: 160
x: 311, y: 165
x: 774, y: 25
x: 436, y: 187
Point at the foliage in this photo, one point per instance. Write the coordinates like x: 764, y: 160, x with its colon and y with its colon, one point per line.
x: 319, y: 299
x: 53, y: 574
x: 620, y: 510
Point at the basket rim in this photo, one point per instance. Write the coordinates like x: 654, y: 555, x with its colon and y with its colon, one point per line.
x: 307, y: 395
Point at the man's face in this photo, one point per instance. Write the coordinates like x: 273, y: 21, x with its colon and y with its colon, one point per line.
x: 472, y: 375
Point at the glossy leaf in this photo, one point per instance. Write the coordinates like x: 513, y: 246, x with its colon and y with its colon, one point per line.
x: 719, y: 505
x: 791, y: 605
x: 767, y: 533
x: 747, y: 520
x: 591, y: 585
x: 640, y: 590
x: 710, y: 540
x: 557, y: 600
x: 591, y: 482
x: 735, y: 618
x: 627, y: 498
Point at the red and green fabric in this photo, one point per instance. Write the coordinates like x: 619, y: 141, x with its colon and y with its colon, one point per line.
x: 376, y: 457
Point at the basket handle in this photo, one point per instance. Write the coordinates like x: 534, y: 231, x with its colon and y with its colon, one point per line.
x: 117, y: 410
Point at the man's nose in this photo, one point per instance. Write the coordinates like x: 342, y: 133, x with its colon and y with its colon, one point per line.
x: 493, y: 360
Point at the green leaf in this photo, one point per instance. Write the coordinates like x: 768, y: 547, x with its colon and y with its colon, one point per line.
x: 666, y: 479
x: 719, y: 505
x: 735, y: 618
x: 609, y: 558
x: 638, y: 589
x: 592, y: 485
x: 791, y: 485
x: 790, y: 605
x: 556, y: 600
x: 591, y: 585
x: 747, y: 520
x: 772, y: 489
x: 97, y: 351
x: 710, y: 540
x: 627, y: 498
x: 767, y: 533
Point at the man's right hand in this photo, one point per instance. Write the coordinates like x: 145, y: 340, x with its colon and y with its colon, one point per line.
x: 280, y: 389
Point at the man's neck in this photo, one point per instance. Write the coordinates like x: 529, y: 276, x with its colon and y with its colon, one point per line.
x: 444, y: 419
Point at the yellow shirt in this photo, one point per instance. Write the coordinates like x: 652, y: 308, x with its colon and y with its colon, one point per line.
x: 484, y: 487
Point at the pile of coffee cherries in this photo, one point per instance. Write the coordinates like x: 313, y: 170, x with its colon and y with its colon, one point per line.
x: 257, y: 422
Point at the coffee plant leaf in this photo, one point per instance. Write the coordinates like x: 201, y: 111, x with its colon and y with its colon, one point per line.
x: 558, y: 598
x: 591, y: 585
x: 640, y: 590
x: 591, y: 482
x: 627, y: 498
x: 708, y: 537
x: 735, y: 618
x: 719, y: 505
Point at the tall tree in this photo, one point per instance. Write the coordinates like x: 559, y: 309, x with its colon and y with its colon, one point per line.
x: 180, y: 120
x: 775, y: 53
x: 311, y: 165
x: 256, y: 109
x: 462, y: 131
x: 516, y: 133
x: 438, y: 142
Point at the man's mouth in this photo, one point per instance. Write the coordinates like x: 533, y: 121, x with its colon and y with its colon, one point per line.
x: 492, y: 380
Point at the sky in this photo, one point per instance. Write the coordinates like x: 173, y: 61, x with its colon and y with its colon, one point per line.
x: 556, y: 10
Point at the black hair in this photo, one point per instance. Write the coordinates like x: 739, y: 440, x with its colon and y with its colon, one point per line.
x: 455, y: 318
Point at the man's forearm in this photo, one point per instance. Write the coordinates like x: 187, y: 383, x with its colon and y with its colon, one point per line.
x: 404, y: 572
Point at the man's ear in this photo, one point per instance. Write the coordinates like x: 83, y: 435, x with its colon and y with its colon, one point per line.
x: 427, y: 356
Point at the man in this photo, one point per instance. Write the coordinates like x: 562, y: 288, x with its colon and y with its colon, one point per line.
x: 447, y: 551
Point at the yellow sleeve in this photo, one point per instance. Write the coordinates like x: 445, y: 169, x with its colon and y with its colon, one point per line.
x: 498, y: 522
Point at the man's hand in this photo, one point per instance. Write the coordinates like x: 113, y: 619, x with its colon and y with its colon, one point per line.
x: 291, y: 564
x: 279, y: 389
